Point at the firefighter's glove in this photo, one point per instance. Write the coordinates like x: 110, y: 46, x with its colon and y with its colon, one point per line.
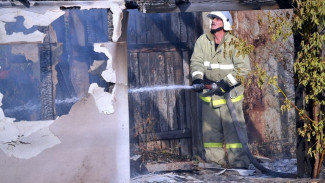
x: 198, y: 85
x: 223, y: 87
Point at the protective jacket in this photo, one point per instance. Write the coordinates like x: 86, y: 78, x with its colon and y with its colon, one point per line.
x: 226, y: 62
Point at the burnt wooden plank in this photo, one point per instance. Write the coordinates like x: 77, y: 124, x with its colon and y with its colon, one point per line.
x: 154, y: 80
x: 168, y: 135
x: 146, y: 79
x: 141, y: 29
x: 183, y: 26
x: 193, y: 32
x: 162, y: 47
x: 166, y: 27
x: 179, y: 94
x: 132, y: 129
x: 143, y: 69
x: 110, y: 25
x: 134, y: 98
x: 137, y: 113
x: 132, y: 28
x: 103, y: 29
x: 161, y: 96
x: 133, y: 71
x: 151, y: 29
x: 158, y: 21
x: 172, y: 116
x: 46, y: 84
x: 175, y: 31
x: 197, y: 145
x: 187, y: 95
x: 180, y: 102
x: 145, y: 100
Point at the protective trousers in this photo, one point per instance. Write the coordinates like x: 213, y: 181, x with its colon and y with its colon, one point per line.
x: 219, y: 132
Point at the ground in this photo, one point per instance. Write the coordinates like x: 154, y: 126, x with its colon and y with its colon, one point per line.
x: 197, y: 174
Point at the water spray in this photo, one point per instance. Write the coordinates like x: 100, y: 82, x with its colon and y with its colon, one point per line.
x: 160, y: 88
x: 213, y: 87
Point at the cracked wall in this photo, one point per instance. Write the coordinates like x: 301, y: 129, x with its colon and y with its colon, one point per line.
x: 52, y: 71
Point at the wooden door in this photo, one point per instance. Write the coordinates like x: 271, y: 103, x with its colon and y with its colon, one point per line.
x: 159, y: 49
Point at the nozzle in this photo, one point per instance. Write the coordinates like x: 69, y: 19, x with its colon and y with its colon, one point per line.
x: 198, y: 87
x: 212, y: 86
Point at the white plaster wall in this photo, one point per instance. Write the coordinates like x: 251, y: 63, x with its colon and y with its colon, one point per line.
x: 90, y: 149
x: 94, y: 145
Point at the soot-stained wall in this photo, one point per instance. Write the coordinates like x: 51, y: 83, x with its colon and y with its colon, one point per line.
x: 70, y: 41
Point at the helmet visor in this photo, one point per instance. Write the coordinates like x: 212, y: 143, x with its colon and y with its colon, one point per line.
x: 212, y: 16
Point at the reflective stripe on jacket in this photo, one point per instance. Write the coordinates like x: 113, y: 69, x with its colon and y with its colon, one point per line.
x: 219, y: 102
x: 220, y: 145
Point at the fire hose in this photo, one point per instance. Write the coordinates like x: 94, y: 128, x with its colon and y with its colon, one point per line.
x: 212, y: 88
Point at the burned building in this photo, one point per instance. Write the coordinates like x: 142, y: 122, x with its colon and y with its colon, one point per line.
x: 65, y: 71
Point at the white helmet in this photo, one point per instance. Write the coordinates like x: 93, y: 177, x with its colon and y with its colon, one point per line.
x: 225, y: 16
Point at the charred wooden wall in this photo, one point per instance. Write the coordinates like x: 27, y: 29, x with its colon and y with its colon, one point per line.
x: 159, y: 47
x: 58, y: 75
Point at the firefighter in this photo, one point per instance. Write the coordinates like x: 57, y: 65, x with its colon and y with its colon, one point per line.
x: 217, y: 59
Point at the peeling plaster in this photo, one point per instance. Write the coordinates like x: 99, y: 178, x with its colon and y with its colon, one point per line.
x: 117, y: 19
x: 51, y: 14
x: 25, y: 139
x: 30, y: 51
x: 35, y: 37
x: 109, y: 74
x: 97, y: 67
x: 44, y: 16
x: 31, y: 19
x: 116, y: 6
x: 104, y: 100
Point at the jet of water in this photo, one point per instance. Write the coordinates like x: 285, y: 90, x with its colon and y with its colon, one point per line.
x: 160, y: 88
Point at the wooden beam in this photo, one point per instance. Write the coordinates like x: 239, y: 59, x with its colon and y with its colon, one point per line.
x: 175, y: 134
x: 62, y: 3
x: 46, y: 84
x: 163, y: 47
x: 168, y: 6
